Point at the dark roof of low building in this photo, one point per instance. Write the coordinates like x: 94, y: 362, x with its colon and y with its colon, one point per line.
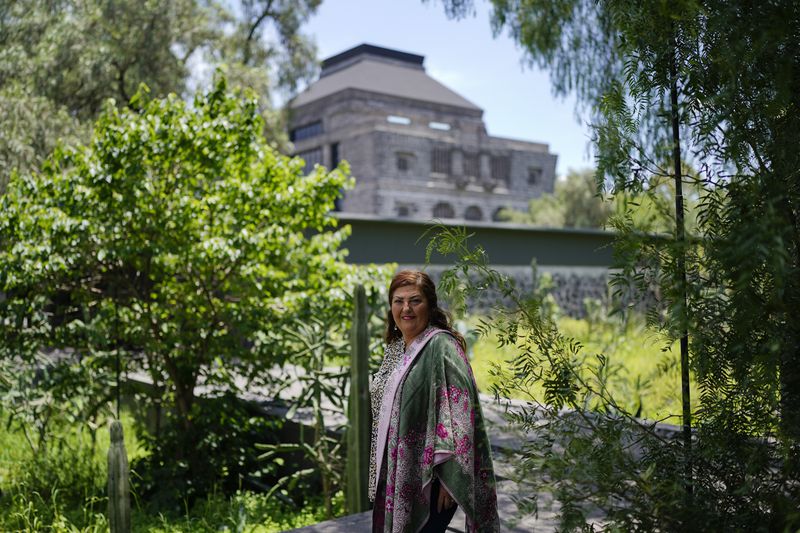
x: 383, y: 71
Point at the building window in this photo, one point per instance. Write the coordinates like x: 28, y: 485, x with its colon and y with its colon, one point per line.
x: 334, y: 155
x: 497, y: 216
x: 307, y: 131
x: 471, y: 165
x: 404, y: 161
x: 404, y: 209
x: 337, y: 203
x: 534, y: 175
x: 443, y: 210
x: 501, y: 168
x: 396, y: 119
x: 443, y: 126
x: 473, y: 212
x: 311, y: 157
x: 440, y: 161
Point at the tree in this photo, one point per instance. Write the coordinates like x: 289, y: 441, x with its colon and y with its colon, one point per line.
x: 575, y: 203
x: 63, y: 60
x: 713, y: 84
x: 176, y: 244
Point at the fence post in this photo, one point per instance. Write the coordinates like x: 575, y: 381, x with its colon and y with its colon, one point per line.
x: 359, y: 428
x: 119, y: 496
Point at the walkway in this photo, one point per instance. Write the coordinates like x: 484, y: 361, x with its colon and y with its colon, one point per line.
x: 504, y: 440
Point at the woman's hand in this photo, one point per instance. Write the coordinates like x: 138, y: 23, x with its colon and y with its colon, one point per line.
x: 445, y: 500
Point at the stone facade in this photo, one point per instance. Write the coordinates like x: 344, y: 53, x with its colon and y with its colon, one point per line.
x: 570, y: 288
x: 416, y: 149
x: 574, y: 290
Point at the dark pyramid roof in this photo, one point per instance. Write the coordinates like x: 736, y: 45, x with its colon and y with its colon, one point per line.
x: 372, y: 50
x: 383, y: 71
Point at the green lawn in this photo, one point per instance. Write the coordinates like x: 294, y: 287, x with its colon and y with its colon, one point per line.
x: 645, y: 368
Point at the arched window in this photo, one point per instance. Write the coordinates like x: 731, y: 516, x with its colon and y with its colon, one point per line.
x: 473, y: 212
x: 496, y: 215
x: 443, y: 210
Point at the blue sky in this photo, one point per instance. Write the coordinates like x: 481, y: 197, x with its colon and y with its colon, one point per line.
x: 516, y: 98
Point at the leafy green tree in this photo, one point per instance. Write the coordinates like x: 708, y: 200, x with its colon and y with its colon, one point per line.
x: 711, y: 84
x: 61, y: 61
x: 578, y: 202
x: 575, y: 203
x: 174, y: 244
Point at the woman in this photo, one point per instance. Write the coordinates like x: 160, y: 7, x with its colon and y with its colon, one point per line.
x: 430, y: 451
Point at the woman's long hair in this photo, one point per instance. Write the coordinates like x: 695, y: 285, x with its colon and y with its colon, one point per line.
x: 438, y: 317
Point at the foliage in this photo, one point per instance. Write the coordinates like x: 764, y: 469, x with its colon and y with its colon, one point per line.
x: 642, y: 373
x: 245, y: 512
x: 591, y: 451
x: 61, y: 484
x: 225, y: 434
x: 61, y: 61
x: 172, y: 245
x: 580, y: 202
x: 319, y: 350
x: 574, y: 203
x: 322, y: 390
x: 713, y: 85
x: 32, y: 126
x: 74, y: 500
x: 252, y: 42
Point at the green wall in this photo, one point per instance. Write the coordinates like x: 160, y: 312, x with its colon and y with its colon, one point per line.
x: 379, y: 240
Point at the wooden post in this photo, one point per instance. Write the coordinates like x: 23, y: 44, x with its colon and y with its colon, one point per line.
x: 119, y: 495
x: 359, y: 413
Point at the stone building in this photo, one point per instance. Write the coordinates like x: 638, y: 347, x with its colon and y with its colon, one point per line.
x: 416, y: 148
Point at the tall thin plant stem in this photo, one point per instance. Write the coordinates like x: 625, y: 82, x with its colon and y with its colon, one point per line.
x: 680, y: 236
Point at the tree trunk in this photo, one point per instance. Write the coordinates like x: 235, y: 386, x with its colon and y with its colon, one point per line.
x: 790, y: 353
x: 680, y: 237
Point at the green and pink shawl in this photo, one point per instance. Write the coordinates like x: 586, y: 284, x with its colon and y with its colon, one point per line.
x: 431, y: 424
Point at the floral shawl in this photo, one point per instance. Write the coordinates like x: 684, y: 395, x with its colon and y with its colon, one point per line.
x: 431, y: 424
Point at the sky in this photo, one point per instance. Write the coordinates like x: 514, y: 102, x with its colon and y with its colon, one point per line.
x: 463, y: 54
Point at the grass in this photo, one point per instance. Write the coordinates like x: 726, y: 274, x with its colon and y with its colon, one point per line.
x: 63, y: 490
x: 243, y: 512
x: 644, y: 367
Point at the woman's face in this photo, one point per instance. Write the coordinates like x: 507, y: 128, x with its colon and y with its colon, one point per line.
x: 410, y: 311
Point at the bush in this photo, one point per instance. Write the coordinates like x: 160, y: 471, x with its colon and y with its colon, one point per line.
x: 224, y: 434
x: 65, y: 491
x: 174, y: 244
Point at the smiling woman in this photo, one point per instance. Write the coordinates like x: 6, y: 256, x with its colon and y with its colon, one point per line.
x: 410, y: 312
x: 430, y: 451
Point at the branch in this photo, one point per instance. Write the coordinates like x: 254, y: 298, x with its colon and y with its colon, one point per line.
x: 253, y: 28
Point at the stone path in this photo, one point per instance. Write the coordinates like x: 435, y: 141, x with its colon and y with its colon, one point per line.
x: 362, y: 522
x: 504, y: 440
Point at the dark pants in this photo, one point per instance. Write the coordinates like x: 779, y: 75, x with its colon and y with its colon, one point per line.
x: 438, y: 522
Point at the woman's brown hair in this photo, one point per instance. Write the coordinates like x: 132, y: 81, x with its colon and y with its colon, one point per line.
x: 438, y: 316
